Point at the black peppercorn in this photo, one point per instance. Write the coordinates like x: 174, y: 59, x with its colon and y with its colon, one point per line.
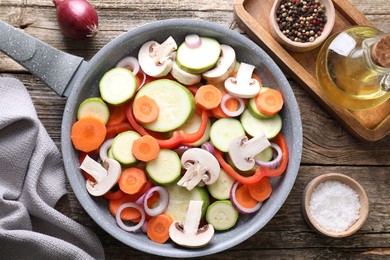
x: 301, y: 20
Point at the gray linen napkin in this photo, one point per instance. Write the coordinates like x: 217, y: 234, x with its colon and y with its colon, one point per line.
x: 32, y: 180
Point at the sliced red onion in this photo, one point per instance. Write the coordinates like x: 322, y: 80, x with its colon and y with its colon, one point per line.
x: 144, y: 227
x: 193, y: 41
x: 208, y: 147
x: 143, y: 80
x: 163, y: 204
x: 126, y: 227
x: 140, y: 200
x: 240, y: 109
x: 182, y: 148
x: 130, y: 63
x: 273, y: 163
x: 237, y: 206
x: 104, y: 149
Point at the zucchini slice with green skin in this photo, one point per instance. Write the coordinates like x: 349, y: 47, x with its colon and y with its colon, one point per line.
x: 223, y: 131
x: 222, y: 215
x: 201, y: 59
x: 175, y: 102
x: 94, y: 107
x: 165, y: 169
x: 220, y: 189
x: 253, y: 125
x: 117, y: 86
x: 121, y: 147
x: 180, y: 197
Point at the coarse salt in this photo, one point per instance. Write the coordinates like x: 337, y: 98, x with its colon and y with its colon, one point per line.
x: 334, y: 206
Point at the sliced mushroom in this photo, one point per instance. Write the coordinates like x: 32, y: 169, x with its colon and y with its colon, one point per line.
x: 190, y: 234
x: 105, y: 179
x: 183, y: 76
x: 243, y: 85
x: 156, y: 59
x: 224, y: 67
x: 242, y: 151
x: 201, y: 165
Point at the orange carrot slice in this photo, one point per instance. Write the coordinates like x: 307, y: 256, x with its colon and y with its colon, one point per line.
x: 158, y: 228
x: 260, y: 190
x: 269, y: 102
x: 208, y: 97
x: 145, y: 109
x: 132, y: 180
x: 87, y: 134
x: 145, y: 148
x: 244, y: 198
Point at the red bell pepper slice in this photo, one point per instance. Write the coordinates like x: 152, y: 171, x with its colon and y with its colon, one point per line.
x: 260, y: 172
x: 177, y: 137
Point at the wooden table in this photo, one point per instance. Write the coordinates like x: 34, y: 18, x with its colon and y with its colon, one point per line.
x: 327, y: 147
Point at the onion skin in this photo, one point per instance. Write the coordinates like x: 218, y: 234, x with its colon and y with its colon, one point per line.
x: 77, y: 19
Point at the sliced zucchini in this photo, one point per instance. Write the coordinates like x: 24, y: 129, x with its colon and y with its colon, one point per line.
x: 176, y: 104
x: 253, y: 125
x: 121, y: 147
x: 94, y: 107
x: 223, y: 131
x: 117, y: 86
x: 222, y: 215
x: 200, y: 59
x: 165, y: 169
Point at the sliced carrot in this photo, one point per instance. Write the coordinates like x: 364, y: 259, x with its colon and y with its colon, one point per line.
x: 117, y: 114
x: 127, y: 213
x: 88, y: 134
x: 113, y: 130
x: 269, y: 102
x: 145, y: 109
x: 132, y: 180
x: 145, y: 148
x: 244, y: 198
x: 158, y: 228
x: 260, y: 190
x: 208, y: 97
x: 114, y: 195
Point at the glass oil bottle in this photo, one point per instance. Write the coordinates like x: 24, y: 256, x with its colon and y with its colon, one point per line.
x: 347, y: 68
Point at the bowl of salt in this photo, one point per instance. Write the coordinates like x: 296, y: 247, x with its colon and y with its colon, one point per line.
x: 335, y: 205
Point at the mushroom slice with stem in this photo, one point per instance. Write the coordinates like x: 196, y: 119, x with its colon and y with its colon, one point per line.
x: 201, y: 165
x: 190, y: 234
x: 243, y: 85
x: 242, y: 151
x: 224, y: 67
x: 105, y: 179
x: 156, y: 59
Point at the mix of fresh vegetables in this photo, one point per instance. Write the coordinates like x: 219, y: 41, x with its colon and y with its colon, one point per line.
x: 181, y: 135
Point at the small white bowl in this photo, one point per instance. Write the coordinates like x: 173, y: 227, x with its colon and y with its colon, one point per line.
x: 307, y: 213
x: 302, y: 46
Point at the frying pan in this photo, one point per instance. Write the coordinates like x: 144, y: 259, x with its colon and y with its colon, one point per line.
x: 77, y: 79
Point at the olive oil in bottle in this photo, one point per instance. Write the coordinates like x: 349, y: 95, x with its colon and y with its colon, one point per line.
x: 349, y: 71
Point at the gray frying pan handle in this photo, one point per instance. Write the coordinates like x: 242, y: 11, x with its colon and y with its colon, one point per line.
x: 52, y: 66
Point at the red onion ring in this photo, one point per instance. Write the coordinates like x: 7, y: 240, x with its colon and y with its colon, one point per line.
x: 240, y: 109
x: 120, y: 222
x: 273, y: 163
x: 143, y: 80
x: 104, y: 149
x: 182, y: 148
x: 237, y: 205
x: 130, y: 63
x: 208, y: 147
x: 193, y: 41
x: 163, y: 204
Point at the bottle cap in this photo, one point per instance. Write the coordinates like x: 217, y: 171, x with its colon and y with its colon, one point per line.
x: 381, y: 52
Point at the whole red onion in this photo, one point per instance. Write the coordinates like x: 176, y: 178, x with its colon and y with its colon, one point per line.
x: 77, y: 18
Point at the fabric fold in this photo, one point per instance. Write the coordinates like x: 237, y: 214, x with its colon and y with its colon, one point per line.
x: 32, y: 180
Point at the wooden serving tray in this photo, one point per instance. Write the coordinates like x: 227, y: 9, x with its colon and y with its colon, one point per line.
x: 252, y: 16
